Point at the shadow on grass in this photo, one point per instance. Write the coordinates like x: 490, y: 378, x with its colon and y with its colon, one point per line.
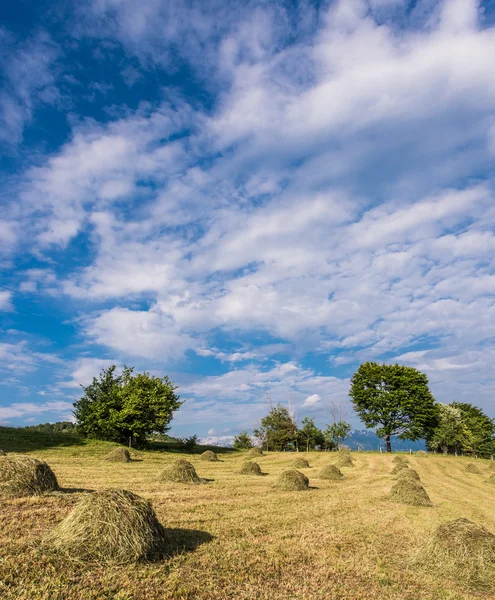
x: 180, y: 541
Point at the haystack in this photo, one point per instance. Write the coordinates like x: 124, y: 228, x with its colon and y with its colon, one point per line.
x: 463, y: 550
x: 300, y: 463
x: 330, y: 472
x: 111, y: 526
x: 400, y: 459
x: 408, y: 474
x: 491, y: 479
x: 344, y: 460
x: 210, y: 456
x: 118, y: 455
x: 400, y: 466
x: 408, y: 491
x: 180, y: 471
x: 491, y: 466
x: 254, y: 452
x: 421, y: 454
x: 472, y: 468
x: 292, y: 481
x: 25, y: 476
x: 250, y: 468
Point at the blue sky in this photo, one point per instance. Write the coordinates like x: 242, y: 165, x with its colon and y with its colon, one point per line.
x: 251, y: 197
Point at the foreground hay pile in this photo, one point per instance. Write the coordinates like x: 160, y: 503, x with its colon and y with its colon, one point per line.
x: 463, y: 550
x: 180, y: 471
x: 118, y: 455
x: 292, y: 481
x: 25, y: 476
x: 250, y: 468
x: 408, y: 491
x: 300, y: 463
x: 254, y: 452
x: 331, y: 472
x: 472, y: 468
x: 209, y: 456
x: 111, y: 526
x: 408, y: 474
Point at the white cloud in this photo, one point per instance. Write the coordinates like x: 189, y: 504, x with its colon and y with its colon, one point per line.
x: 60, y: 410
x: 312, y: 400
x: 5, y: 300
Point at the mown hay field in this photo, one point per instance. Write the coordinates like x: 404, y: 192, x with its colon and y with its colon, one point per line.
x: 238, y: 536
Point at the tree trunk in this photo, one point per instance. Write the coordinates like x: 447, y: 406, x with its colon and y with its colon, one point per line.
x: 387, y: 441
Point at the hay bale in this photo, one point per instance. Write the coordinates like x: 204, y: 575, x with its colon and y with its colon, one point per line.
x: 180, y: 471
x: 491, y: 479
x: 463, y: 550
x: 250, y: 468
x: 472, y: 468
x: 209, y: 456
x: 330, y: 472
x: 292, y: 481
x: 111, y: 526
x: 408, y: 474
x: 421, y: 454
x: 254, y: 452
x: 25, y: 476
x: 300, y: 463
x: 408, y: 491
x: 344, y: 461
x: 118, y: 455
x: 400, y: 466
x: 400, y: 459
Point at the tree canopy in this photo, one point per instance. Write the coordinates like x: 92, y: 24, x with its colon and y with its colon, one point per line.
x: 126, y: 407
x: 243, y: 441
x: 395, y: 399
x: 278, y: 430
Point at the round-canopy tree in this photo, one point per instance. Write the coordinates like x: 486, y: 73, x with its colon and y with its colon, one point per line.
x: 126, y: 408
x: 394, y: 398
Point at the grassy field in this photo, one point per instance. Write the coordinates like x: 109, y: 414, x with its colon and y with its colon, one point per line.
x: 238, y: 537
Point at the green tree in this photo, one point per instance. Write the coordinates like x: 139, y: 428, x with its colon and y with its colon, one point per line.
x: 243, y: 441
x: 394, y: 398
x: 126, y: 407
x: 310, y: 435
x: 337, y: 432
x: 451, y: 435
x: 481, y: 429
x: 277, y: 430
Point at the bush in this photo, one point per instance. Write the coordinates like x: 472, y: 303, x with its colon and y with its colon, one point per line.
x: 187, y: 444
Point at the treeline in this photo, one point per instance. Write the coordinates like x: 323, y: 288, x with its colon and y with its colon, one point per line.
x: 279, y: 431
x: 59, y: 427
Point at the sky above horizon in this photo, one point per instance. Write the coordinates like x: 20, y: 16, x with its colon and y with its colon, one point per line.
x: 250, y: 197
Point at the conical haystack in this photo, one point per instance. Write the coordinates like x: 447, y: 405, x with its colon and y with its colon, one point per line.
x: 472, y: 468
x: 408, y: 474
x: 255, y: 452
x: 111, y: 526
x: 400, y: 466
x: 491, y: 466
x: 421, y: 454
x: 292, y: 481
x: 180, y: 471
x: 25, y: 476
x: 118, y: 455
x: 344, y: 460
x: 491, y: 479
x: 300, y: 463
x: 209, y: 456
x: 250, y: 468
x: 400, y: 459
x: 330, y: 472
x: 407, y: 491
x: 462, y: 550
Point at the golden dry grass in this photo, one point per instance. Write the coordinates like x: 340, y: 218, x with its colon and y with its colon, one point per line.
x: 240, y: 537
